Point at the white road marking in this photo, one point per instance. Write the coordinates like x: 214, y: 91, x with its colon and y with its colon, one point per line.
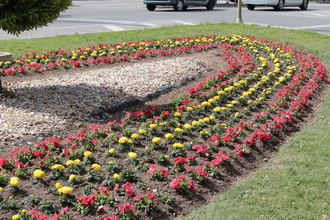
x: 106, y: 21
x: 113, y: 27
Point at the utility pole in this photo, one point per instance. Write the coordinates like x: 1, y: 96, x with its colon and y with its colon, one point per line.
x: 239, y: 12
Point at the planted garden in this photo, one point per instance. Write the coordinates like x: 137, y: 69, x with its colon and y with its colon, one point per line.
x: 158, y: 162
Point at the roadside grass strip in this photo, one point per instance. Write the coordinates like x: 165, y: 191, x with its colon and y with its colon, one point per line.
x: 160, y: 161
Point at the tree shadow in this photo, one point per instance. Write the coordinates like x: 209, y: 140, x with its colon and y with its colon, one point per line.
x: 82, y: 102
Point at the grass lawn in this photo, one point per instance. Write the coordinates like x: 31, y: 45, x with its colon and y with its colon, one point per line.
x: 295, y: 184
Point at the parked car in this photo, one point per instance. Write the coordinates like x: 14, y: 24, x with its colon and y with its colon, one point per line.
x: 179, y: 5
x: 276, y: 4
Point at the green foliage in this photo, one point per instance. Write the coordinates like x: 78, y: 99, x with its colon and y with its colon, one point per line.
x: 17, y: 16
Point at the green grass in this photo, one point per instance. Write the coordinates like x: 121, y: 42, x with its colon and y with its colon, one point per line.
x: 295, y: 184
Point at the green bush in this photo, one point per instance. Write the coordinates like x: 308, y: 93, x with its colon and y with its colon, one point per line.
x: 17, y: 16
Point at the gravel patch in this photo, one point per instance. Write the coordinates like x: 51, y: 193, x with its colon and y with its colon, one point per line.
x: 58, y: 102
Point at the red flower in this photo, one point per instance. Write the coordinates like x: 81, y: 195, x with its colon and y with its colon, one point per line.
x: 201, y: 172
x: 180, y: 161
x: 109, y: 218
x: 239, y: 151
x: 127, y: 207
x: 226, y: 138
x: 3, y: 162
x: 264, y: 135
x: 165, y: 113
x: 86, y: 200
x: 191, y: 185
x: 175, y: 184
x: 249, y: 141
x: 129, y: 188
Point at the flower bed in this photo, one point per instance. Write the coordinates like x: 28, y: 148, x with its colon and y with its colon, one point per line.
x: 150, y: 163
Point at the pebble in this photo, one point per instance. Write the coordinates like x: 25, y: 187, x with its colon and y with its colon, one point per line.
x: 49, y: 105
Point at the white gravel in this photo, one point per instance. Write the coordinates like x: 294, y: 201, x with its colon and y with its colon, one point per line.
x: 45, y: 106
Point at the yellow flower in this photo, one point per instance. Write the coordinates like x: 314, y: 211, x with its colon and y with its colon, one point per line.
x: 187, y: 126
x: 39, y: 174
x: 169, y: 136
x: 1, y: 189
x: 179, y: 130
x: 65, y: 190
x: 203, y: 132
x: 77, y: 162
x: 123, y: 140
x: 156, y: 140
x: 211, y: 101
x: 16, y: 217
x: 14, y: 181
x: 198, y: 106
x: 116, y: 176
x: 216, y: 97
x: 23, y: 210
x: 206, y: 104
x: 237, y: 84
x: 58, y: 185
x: 178, y: 145
x: 135, y: 136
x: 195, y: 123
x: 69, y: 162
x: 132, y: 155
x: 96, y: 167
x: 57, y: 167
x: 153, y: 126
x: 142, y: 131
x: 88, y: 154
x: 217, y: 109
x: 221, y: 92
x: 112, y: 151
x: 212, y: 118
x: 189, y: 109
x: 177, y: 114
x: 206, y: 120
x: 72, y: 177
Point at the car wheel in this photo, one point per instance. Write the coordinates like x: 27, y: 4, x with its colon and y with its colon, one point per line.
x: 179, y: 6
x: 151, y: 7
x: 210, y: 4
x: 279, y: 6
x: 250, y: 7
x: 304, y: 5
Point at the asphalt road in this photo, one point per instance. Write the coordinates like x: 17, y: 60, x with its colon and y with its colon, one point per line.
x: 88, y: 16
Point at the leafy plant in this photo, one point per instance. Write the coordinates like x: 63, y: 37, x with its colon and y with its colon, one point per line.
x: 21, y: 15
